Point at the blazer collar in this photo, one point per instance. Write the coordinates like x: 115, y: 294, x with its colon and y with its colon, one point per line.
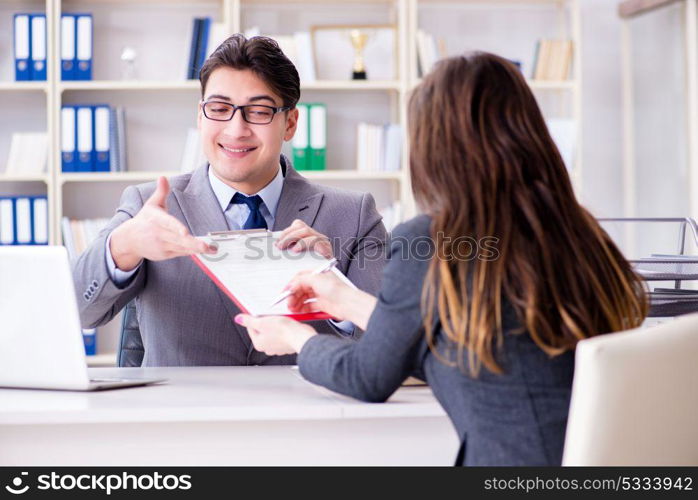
x: 299, y: 199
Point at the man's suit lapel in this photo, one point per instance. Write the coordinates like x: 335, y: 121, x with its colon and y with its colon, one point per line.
x: 203, y: 215
x: 299, y: 200
x: 199, y: 205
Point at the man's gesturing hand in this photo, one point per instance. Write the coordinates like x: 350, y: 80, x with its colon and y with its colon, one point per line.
x: 299, y: 237
x: 153, y: 234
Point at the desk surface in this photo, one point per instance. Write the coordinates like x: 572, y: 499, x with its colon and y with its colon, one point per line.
x: 221, y: 416
x: 206, y: 394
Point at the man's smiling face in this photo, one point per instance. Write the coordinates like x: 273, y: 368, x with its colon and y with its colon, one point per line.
x: 244, y: 155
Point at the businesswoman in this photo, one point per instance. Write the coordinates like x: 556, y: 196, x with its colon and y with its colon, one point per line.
x: 489, y: 291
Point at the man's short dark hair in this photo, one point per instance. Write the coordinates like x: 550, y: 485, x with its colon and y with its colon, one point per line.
x: 264, y: 57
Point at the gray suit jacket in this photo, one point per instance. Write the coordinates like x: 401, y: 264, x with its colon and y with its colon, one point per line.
x: 184, y: 318
x: 517, y: 418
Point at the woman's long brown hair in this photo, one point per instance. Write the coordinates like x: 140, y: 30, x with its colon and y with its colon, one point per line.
x: 483, y: 164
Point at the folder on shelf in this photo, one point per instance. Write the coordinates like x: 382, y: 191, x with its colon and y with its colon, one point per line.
x: 68, y: 136
x: 202, y: 45
x: 193, y: 48
x: 40, y: 220
x: 22, y: 47
x: 101, y: 138
x: 23, y: 221
x: 318, y: 136
x: 85, y: 133
x: 83, y: 47
x: 252, y: 272
x: 7, y: 221
x: 300, y: 143
x: 67, y: 47
x: 38, y: 47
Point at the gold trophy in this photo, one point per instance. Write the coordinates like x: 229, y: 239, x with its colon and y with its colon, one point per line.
x: 358, y: 40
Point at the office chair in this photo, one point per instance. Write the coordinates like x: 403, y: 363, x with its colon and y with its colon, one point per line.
x: 131, y: 351
x: 634, y: 397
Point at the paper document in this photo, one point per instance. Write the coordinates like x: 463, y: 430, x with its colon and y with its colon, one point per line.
x: 253, y: 272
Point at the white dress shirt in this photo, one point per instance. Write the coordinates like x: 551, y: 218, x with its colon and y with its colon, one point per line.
x: 236, y: 215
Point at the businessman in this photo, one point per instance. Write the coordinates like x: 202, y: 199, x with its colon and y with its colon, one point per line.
x: 249, y: 93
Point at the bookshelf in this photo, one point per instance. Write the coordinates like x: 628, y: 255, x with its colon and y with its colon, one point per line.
x: 160, y: 104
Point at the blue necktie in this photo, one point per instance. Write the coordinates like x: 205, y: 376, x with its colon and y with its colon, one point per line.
x: 256, y: 219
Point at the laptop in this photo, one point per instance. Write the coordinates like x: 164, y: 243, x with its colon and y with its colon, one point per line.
x: 41, y: 344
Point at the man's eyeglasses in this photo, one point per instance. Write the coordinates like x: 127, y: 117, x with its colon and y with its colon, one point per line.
x: 257, y: 114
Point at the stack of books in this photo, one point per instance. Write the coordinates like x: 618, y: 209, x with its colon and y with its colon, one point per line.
x: 93, y: 138
x: 298, y: 48
x: 429, y: 50
x: 378, y: 147
x: 553, y: 60
x: 30, y: 47
x: 310, y: 141
x: 79, y: 234
x: 23, y: 220
x: 76, y: 46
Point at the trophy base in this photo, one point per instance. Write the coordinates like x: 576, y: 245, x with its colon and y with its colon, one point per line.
x: 358, y: 75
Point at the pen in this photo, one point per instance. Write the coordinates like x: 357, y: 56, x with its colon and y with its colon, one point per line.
x: 329, y: 265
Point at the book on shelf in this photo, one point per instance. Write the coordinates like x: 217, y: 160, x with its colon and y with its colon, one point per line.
x: 23, y: 220
x: 205, y: 37
x: 378, y: 147
x: 28, y: 154
x: 78, y: 234
x: 429, y: 50
x: 298, y: 47
x: 310, y: 141
x: 93, y: 138
x: 193, y: 155
x: 553, y: 60
x: 29, y: 46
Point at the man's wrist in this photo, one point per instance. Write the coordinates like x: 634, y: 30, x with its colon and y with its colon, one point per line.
x: 124, y: 259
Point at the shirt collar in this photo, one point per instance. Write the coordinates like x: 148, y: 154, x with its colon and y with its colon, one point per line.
x: 270, y: 193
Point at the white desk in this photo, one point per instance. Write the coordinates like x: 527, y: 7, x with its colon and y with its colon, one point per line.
x: 221, y: 416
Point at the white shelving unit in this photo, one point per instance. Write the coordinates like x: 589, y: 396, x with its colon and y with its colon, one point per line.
x: 511, y: 28
x: 161, y: 105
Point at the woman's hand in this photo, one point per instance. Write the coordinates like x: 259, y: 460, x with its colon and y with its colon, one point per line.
x: 330, y: 295
x: 327, y: 290
x: 276, y: 335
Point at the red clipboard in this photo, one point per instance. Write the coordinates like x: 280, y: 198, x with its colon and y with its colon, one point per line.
x: 298, y: 317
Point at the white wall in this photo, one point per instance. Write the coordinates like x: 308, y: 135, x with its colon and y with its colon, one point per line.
x: 661, y: 187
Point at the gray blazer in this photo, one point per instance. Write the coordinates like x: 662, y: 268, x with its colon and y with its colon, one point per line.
x: 184, y: 318
x: 517, y: 418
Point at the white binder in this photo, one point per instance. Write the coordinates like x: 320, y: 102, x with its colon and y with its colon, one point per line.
x: 23, y: 211
x: 40, y: 214
x: 68, y: 152
x: 7, y: 221
x: 67, y: 47
x: 38, y: 50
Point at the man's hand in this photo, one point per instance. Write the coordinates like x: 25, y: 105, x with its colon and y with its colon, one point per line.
x: 299, y: 237
x: 153, y: 234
